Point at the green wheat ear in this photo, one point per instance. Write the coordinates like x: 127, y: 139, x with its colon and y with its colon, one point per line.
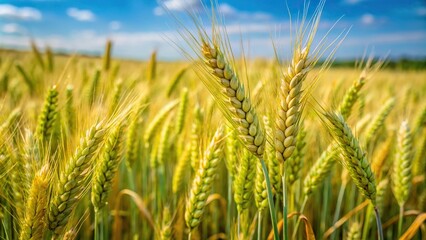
x: 203, y: 180
x: 106, y: 167
x: 71, y: 185
x: 49, y: 116
x: 33, y: 226
x: 354, y: 158
x: 402, y: 170
x: 244, y: 182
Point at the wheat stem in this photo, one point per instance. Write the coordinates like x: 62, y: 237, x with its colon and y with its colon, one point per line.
x: 270, y: 200
x: 379, y: 224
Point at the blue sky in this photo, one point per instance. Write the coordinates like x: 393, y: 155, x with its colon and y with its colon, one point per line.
x: 395, y: 27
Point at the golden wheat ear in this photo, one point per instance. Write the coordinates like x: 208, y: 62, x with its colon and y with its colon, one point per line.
x: 293, y: 93
x: 216, y: 68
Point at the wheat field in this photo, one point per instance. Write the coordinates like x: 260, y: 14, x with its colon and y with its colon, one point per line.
x: 214, y: 147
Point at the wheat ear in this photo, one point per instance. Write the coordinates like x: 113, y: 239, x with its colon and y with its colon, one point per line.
x: 11, y: 123
x: 274, y: 165
x: 33, y: 226
x: 182, y: 111
x: 320, y: 169
x: 231, y: 152
x: 176, y: 79
x: 92, y: 93
x: 354, y: 158
x: 354, y: 232
x: 295, y: 162
x: 106, y: 167
x: 238, y: 105
x: 132, y: 137
x: 49, y: 116
x: 196, y: 129
x: 50, y: 57
x: 202, y: 183
x: 70, y: 187
x: 106, y: 61
x: 157, y: 120
x: 166, y: 232
x: 70, y: 115
x: 352, y: 95
x: 378, y: 121
x: 402, y: 165
x: 115, y: 100
x: 420, y: 121
x: 260, y: 191
x: 289, y: 111
x: 181, y: 171
x: 37, y: 54
x: 244, y: 181
x: 152, y: 67
x: 355, y: 161
x: 28, y: 81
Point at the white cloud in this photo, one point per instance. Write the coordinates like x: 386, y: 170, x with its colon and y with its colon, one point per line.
x: 180, y: 5
x: 20, y: 13
x: 115, y: 25
x: 177, y: 6
x: 367, y: 19
x: 81, y: 14
x: 228, y: 10
x: 12, y: 28
x: 353, y: 2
